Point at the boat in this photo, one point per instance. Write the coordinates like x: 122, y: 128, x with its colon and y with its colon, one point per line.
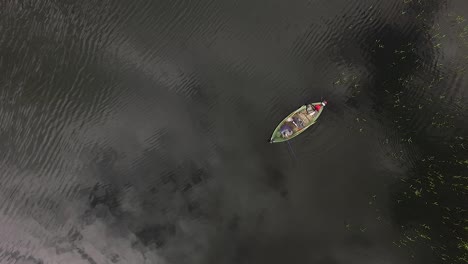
x: 297, y: 122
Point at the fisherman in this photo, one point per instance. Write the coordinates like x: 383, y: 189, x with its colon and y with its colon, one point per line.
x: 286, y: 131
x: 298, y: 122
x: 312, y: 109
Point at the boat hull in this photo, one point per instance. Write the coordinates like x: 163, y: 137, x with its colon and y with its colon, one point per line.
x: 286, y: 123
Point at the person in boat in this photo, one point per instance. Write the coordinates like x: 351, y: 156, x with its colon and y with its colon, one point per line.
x: 286, y: 131
x: 313, y: 109
x: 298, y: 122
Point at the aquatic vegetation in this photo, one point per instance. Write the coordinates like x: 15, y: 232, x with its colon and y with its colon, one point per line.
x: 430, y: 203
x: 438, y: 192
x: 460, y: 30
x: 347, y: 79
x: 460, y: 19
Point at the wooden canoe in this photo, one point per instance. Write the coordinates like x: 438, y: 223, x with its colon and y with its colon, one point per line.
x: 286, y: 123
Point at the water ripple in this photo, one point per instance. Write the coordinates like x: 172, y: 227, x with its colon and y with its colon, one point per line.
x: 132, y: 116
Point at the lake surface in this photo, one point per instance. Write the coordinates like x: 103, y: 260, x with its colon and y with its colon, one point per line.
x: 136, y: 132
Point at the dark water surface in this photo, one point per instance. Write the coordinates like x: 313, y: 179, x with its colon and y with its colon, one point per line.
x: 136, y: 132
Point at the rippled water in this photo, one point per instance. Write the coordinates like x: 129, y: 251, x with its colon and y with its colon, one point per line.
x: 136, y: 131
